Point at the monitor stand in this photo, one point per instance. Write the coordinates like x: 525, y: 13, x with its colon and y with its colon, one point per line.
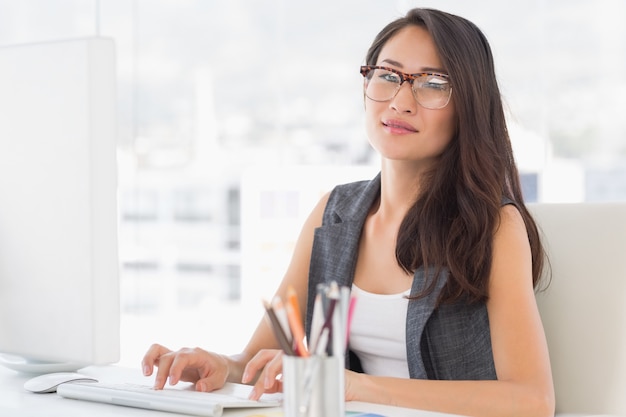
x: 24, y: 365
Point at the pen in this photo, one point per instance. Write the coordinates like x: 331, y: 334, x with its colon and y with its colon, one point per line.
x: 317, y: 322
x: 350, y: 315
x: 334, y: 320
x: 322, y: 342
x: 329, y: 322
x: 344, y: 296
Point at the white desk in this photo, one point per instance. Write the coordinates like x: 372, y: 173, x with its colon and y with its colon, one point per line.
x: 17, y: 402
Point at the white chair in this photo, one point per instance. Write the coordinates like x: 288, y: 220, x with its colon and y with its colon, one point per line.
x: 584, y: 308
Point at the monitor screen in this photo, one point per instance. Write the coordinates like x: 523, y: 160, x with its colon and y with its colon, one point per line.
x: 59, y: 269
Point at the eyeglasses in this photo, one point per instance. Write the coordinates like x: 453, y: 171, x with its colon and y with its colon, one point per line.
x: 431, y: 90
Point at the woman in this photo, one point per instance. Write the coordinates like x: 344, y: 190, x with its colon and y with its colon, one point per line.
x: 444, y: 223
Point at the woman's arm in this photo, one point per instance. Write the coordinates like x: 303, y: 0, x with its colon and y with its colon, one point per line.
x: 208, y: 370
x: 524, y: 385
x: 263, y: 365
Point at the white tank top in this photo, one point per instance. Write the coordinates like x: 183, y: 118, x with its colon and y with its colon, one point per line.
x: 378, y: 332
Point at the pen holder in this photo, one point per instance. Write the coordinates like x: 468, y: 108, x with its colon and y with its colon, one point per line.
x: 313, y: 386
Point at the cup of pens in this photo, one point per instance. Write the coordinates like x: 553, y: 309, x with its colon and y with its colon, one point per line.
x: 313, y: 386
x: 313, y: 372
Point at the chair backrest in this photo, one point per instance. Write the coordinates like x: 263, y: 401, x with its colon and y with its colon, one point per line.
x: 584, y: 308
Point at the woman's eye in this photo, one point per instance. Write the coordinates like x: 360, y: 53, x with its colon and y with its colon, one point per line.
x: 390, y: 77
x: 435, y: 84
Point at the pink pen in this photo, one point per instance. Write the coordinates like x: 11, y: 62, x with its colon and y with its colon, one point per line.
x: 350, y: 314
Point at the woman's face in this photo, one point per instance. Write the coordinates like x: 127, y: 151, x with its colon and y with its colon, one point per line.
x: 400, y: 129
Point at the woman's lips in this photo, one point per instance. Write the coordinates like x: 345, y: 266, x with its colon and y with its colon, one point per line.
x: 398, y: 126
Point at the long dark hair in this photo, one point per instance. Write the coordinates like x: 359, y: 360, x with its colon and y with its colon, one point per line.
x: 452, y: 222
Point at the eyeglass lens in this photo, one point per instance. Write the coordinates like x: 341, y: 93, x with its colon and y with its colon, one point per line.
x: 430, y: 91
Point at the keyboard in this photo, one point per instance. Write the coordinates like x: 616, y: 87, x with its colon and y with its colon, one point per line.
x: 171, y: 399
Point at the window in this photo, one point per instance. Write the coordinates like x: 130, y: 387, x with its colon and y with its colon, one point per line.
x: 222, y: 105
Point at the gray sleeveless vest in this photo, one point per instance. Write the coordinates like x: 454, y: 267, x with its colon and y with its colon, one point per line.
x: 449, y: 342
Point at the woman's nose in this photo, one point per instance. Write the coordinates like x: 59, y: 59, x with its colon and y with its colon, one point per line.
x: 404, y: 101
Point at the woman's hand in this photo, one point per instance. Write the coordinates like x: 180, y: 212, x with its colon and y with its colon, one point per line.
x: 352, y: 379
x: 207, y: 370
x: 270, y: 363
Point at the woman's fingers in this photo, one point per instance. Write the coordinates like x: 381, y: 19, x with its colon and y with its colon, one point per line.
x: 207, y: 370
x: 151, y: 358
x: 182, y: 359
x: 163, y: 371
x: 270, y: 364
x: 257, y: 363
x: 272, y: 371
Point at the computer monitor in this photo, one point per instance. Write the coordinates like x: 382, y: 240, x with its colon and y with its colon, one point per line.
x: 59, y: 269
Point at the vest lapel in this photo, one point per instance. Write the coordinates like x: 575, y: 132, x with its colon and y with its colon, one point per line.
x: 418, y: 314
x: 336, y: 242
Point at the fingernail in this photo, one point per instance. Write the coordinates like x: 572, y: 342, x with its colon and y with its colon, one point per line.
x: 201, y: 387
x: 252, y: 395
x: 245, y: 377
x: 267, y: 382
x: 146, y: 370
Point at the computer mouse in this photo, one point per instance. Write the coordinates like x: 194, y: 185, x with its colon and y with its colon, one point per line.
x: 49, y: 382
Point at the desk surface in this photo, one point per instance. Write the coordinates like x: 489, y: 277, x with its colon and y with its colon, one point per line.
x: 17, y: 402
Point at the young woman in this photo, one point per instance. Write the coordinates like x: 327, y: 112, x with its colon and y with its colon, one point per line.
x: 440, y: 248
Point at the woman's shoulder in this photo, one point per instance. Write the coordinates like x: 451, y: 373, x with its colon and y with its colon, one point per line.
x: 510, y: 216
x: 352, y: 200
x: 354, y: 187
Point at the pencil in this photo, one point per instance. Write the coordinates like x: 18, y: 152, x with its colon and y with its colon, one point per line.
x: 284, y: 343
x: 295, y: 322
x: 281, y: 315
